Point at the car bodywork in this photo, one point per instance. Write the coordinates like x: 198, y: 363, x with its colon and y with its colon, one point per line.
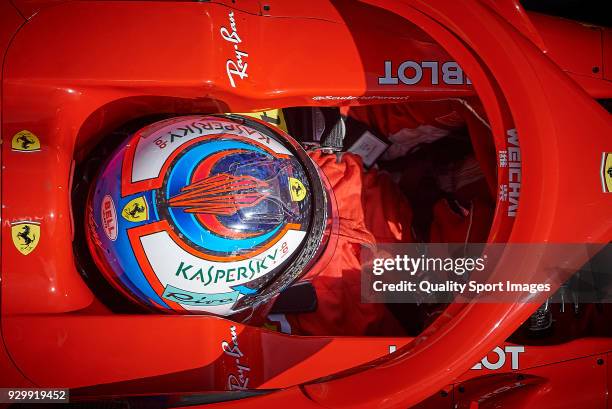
x: 73, y: 71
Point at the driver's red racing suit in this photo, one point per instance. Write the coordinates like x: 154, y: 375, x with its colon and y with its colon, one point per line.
x: 372, y: 209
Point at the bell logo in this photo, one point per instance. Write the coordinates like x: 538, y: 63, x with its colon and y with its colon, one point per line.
x: 512, y: 350
x: 108, y: 214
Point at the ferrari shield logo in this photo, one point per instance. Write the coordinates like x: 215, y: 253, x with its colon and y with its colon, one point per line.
x: 136, y: 210
x: 25, y: 141
x: 606, y: 172
x: 297, y: 190
x: 26, y: 236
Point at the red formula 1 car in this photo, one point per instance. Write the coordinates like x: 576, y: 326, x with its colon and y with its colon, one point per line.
x: 530, y: 91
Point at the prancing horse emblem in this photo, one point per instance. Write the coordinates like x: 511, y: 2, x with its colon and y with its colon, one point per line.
x: 26, y: 236
x: 136, y: 210
x: 25, y: 141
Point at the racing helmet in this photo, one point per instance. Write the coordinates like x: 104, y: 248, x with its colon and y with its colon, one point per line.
x: 206, y: 214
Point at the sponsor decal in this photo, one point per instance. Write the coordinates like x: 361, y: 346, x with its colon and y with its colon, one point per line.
x: 360, y: 98
x: 241, y: 272
x: 512, y: 350
x: 25, y: 235
x: 191, y: 129
x: 503, y: 159
x: 197, y: 299
x: 510, y: 159
x: 236, y: 67
x: 108, y: 214
x: 136, y: 210
x: 411, y: 73
x: 238, y: 380
x: 296, y: 190
x: 606, y: 172
x: 514, y: 171
x: 25, y: 141
x: 180, y: 269
x: 148, y: 163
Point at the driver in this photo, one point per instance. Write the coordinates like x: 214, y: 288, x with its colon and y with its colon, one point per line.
x: 219, y: 214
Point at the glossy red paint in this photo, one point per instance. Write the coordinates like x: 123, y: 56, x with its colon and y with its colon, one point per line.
x: 607, y: 54
x: 104, y: 63
x: 575, y: 47
x: 581, y: 50
x: 566, y: 375
x: 549, y: 386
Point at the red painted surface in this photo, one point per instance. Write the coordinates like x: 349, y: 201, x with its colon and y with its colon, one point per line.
x: 102, y: 64
x: 575, y: 47
x: 607, y: 54
x: 579, y: 383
